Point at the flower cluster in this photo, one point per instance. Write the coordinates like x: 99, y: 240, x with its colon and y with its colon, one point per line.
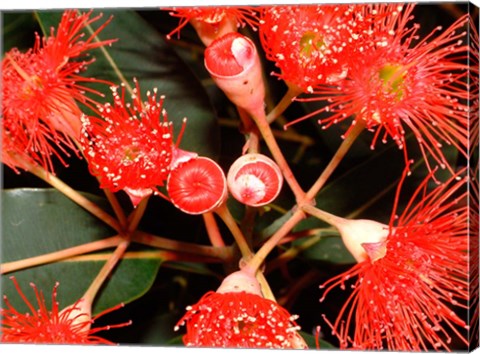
x: 71, y: 325
x: 407, y: 290
x: 40, y: 91
x: 400, y: 81
x: 131, y: 146
x: 368, y: 65
x: 237, y: 315
x: 311, y: 44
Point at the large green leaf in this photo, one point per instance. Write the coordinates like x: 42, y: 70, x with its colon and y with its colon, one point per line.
x: 39, y: 221
x: 142, y: 53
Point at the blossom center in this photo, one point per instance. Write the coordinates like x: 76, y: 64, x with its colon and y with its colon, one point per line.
x: 393, y: 76
x: 311, y: 42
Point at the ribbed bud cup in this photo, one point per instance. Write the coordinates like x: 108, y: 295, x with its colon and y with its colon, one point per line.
x: 197, y: 186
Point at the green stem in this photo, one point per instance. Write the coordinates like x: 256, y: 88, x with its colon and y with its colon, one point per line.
x: 292, y: 92
x: 252, y: 144
x: 76, y: 197
x: 259, y: 257
x: 336, y: 159
x: 267, y: 134
x: 107, y: 268
x: 60, y: 255
x: 136, y: 215
x: 305, y: 201
x: 223, y: 253
x: 117, y: 209
x: 330, y: 219
x: 237, y: 234
x: 212, y: 230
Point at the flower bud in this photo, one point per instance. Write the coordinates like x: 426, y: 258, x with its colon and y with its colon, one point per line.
x: 197, y: 185
x: 240, y: 281
x: 364, y: 239
x: 78, y: 315
x: 233, y: 62
x: 254, y: 180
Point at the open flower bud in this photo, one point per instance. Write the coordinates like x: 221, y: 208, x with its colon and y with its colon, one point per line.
x: 233, y: 62
x: 254, y: 180
x: 197, y: 185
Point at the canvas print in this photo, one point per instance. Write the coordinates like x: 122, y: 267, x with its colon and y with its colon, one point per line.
x: 291, y: 176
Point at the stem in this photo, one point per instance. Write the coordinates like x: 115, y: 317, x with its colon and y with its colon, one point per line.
x: 212, y: 230
x: 164, y: 256
x: 223, y: 253
x: 76, y: 197
x: 117, y: 209
x: 304, y: 200
x: 107, y: 268
x: 277, y: 154
x: 250, y: 130
x: 135, y: 217
x: 59, y: 255
x: 292, y: 92
x: 228, y: 219
x: 292, y: 253
x: 259, y: 257
x: 336, y: 159
x: 330, y: 219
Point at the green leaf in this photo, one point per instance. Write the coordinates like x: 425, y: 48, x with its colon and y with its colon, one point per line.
x: 142, y: 53
x: 329, y: 249
x: 40, y: 221
x: 311, y: 341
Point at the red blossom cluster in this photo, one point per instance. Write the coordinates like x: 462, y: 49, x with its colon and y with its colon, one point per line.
x: 72, y: 325
x: 366, y: 63
x: 40, y: 91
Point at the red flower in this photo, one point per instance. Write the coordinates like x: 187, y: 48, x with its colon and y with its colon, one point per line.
x: 41, y: 87
x: 214, y: 22
x: 130, y: 148
x: 395, y: 85
x: 237, y: 316
x: 407, y: 290
x: 311, y: 44
x: 72, y: 325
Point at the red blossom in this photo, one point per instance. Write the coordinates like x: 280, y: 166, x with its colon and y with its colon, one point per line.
x: 130, y: 148
x: 405, y: 82
x: 237, y: 316
x: 68, y: 326
x: 406, y: 293
x: 214, y: 22
x: 311, y: 44
x: 40, y: 89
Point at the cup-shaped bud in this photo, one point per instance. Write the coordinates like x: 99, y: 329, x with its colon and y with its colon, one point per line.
x: 197, y: 185
x: 254, y: 179
x: 233, y: 62
x: 240, y: 281
x: 364, y: 239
